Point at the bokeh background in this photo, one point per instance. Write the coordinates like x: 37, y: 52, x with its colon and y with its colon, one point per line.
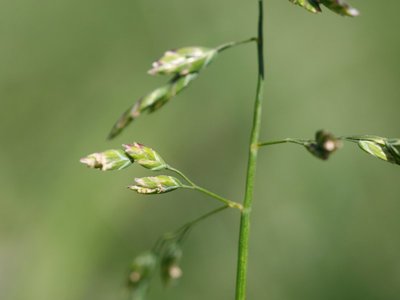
x: 321, y: 230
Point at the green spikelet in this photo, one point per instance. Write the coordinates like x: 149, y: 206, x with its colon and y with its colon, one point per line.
x: 340, y: 7
x: 152, y: 101
x: 145, y: 156
x: 108, y: 160
x: 183, y: 61
x: 155, y: 185
x: 386, y: 149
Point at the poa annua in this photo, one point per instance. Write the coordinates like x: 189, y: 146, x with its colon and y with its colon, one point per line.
x: 183, y: 66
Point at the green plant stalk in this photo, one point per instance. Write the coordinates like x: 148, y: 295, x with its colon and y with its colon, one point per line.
x: 287, y: 140
x: 243, y: 245
x: 188, y: 226
x: 233, y: 44
x: 180, y: 174
x: 230, y: 203
x: 182, y: 231
x: 203, y: 217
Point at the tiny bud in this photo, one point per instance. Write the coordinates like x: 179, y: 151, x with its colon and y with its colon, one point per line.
x: 183, y: 61
x: 145, y: 156
x: 155, y: 185
x: 170, y: 269
x: 108, y: 160
x: 325, y: 144
x: 142, y: 268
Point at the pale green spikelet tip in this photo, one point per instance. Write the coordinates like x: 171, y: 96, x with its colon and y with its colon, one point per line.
x: 340, y: 7
x: 107, y: 161
x: 353, y: 12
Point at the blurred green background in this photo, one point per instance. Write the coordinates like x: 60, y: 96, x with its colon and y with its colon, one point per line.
x: 321, y: 230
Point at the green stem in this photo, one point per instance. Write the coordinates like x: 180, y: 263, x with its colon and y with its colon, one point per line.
x: 181, y: 174
x: 287, y: 140
x: 205, y: 216
x: 353, y: 139
x: 185, y: 228
x: 194, y: 186
x: 233, y: 44
x: 241, y: 275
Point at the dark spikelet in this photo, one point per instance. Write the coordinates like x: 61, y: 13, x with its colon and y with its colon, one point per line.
x: 126, y: 118
x: 152, y: 102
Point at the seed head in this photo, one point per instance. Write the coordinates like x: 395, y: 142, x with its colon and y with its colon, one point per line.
x: 145, y: 156
x: 107, y: 161
x: 155, y: 185
x: 183, y: 61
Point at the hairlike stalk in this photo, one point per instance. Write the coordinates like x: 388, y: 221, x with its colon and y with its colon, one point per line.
x: 229, y: 203
x: 234, y: 44
x: 241, y: 275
